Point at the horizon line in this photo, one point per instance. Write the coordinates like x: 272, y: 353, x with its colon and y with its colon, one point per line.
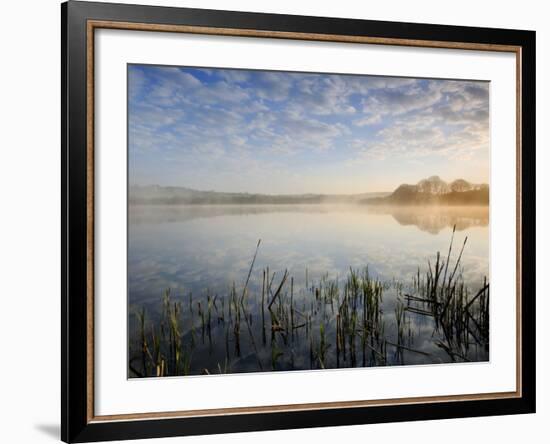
x: 298, y: 194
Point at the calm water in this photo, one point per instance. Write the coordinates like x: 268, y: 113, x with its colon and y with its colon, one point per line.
x: 204, y: 250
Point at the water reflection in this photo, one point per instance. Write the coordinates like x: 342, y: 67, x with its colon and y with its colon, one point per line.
x: 434, y: 219
x: 202, y: 252
x: 430, y: 219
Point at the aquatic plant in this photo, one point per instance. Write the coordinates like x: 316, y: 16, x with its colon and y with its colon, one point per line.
x: 328, y: 323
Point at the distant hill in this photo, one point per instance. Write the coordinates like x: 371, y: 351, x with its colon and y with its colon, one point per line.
x: 159, y: 195
x: 434, y: 191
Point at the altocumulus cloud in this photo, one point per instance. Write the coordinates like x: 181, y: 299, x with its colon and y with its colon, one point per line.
x: 260, y: 131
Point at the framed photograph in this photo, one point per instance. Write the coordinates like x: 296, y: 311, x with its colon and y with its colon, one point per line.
x: 276, y: 221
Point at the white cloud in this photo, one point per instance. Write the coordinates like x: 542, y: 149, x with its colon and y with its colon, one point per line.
x: 241, y: 123
x: 234, y: 75
x: 273, y: 86
x: 372, y: 119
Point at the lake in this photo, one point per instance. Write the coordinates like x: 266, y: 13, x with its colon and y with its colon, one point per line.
x: 329, y: 311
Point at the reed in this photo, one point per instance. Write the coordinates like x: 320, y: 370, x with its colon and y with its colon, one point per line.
x: 372, y: 322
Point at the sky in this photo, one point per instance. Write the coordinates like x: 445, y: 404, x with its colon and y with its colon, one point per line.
x: 286, y: 133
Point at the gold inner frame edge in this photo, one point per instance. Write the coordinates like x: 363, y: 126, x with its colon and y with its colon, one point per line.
x: 98, y: 24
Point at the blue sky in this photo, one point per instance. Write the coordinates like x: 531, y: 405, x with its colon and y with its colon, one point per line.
x: 282, y: 132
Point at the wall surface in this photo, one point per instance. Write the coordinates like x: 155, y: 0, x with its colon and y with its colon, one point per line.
x: 29, y: 234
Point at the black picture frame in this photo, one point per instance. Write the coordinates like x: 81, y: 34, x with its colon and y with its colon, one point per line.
x: 76, y: 423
